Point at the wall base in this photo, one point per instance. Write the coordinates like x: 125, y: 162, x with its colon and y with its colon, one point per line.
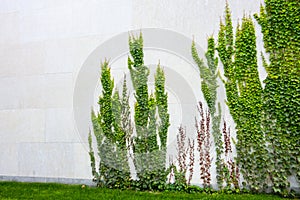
x: 47, y: 180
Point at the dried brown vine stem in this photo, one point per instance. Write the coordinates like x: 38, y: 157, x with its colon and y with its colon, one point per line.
x: 204, y: 144
x: 182, y: 150
x: 207, y: 150
x: 234, y: 173
x: 233, y: 170
x: 200, y: 134
x: 191, y: 159
x: 227, y: 141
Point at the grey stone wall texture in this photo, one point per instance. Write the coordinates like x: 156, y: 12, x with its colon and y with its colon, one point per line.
x: 50, y: 55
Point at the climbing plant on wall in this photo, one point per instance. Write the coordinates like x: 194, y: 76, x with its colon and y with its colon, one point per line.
x: 139, y: 76
x: 163, y: 122
x: 125, y: 121
x: 113, y: 128
x: 244, y: 97
x: 105, y: 102
x: 111, y: 138
x: 266, y: 118
x: 161, y: 98
x: 149, y: 157
x: 279, y: 21
x: 209, y: 89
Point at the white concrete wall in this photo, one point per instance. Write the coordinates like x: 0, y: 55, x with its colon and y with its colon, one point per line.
x: 43, y: 45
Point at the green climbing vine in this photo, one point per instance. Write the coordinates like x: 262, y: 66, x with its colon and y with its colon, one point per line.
x: 113, y: 128
x: 126, y: 123
x: 161, y: 98
x: 110, y: 136
x: 92, y: 156
x: 139, y: 76
x: 279, y: 21
x: 105, y: 102
x: 151, y: 119
x: 267, y: 117
x: 209, y: 89
x: 244, y: 97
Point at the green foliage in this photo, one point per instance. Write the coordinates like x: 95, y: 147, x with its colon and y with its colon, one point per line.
x: 209, y: 89
x: 161, y: 98
x: 270, y: 116
x: 212, y: 61
x: 216, y: 120
x: 105, y: 102
x: 267, y: 119
x: 244, y: 97
x: 279, y: 22
x: 113, y: 128
x: 207, y: 74
x: 126, y: 123
x: 116, y: 110
x: 139, y: 76
x: 151, y: 136
x: 92, y: 156
x: 149, y: 159
x: 111, y: 138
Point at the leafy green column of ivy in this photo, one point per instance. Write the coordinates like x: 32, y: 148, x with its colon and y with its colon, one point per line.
x: 151, y: 135
x: 208, y: 74
x: 105, y: 102
x: 280, y: 24
x: 125, y: 122
x: 244, y: 91
x: 148, y: 158
x: 116, y: 110
x: 102, y: 124
x: 209, y: 90
x: 113, y: 167
x: 92, y: 155
x: 139, y: 76
x: 105, y: 148
x: 122, y: 131
x: 161, y: 98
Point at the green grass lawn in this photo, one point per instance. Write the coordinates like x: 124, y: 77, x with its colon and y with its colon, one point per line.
x: 15, y: 190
